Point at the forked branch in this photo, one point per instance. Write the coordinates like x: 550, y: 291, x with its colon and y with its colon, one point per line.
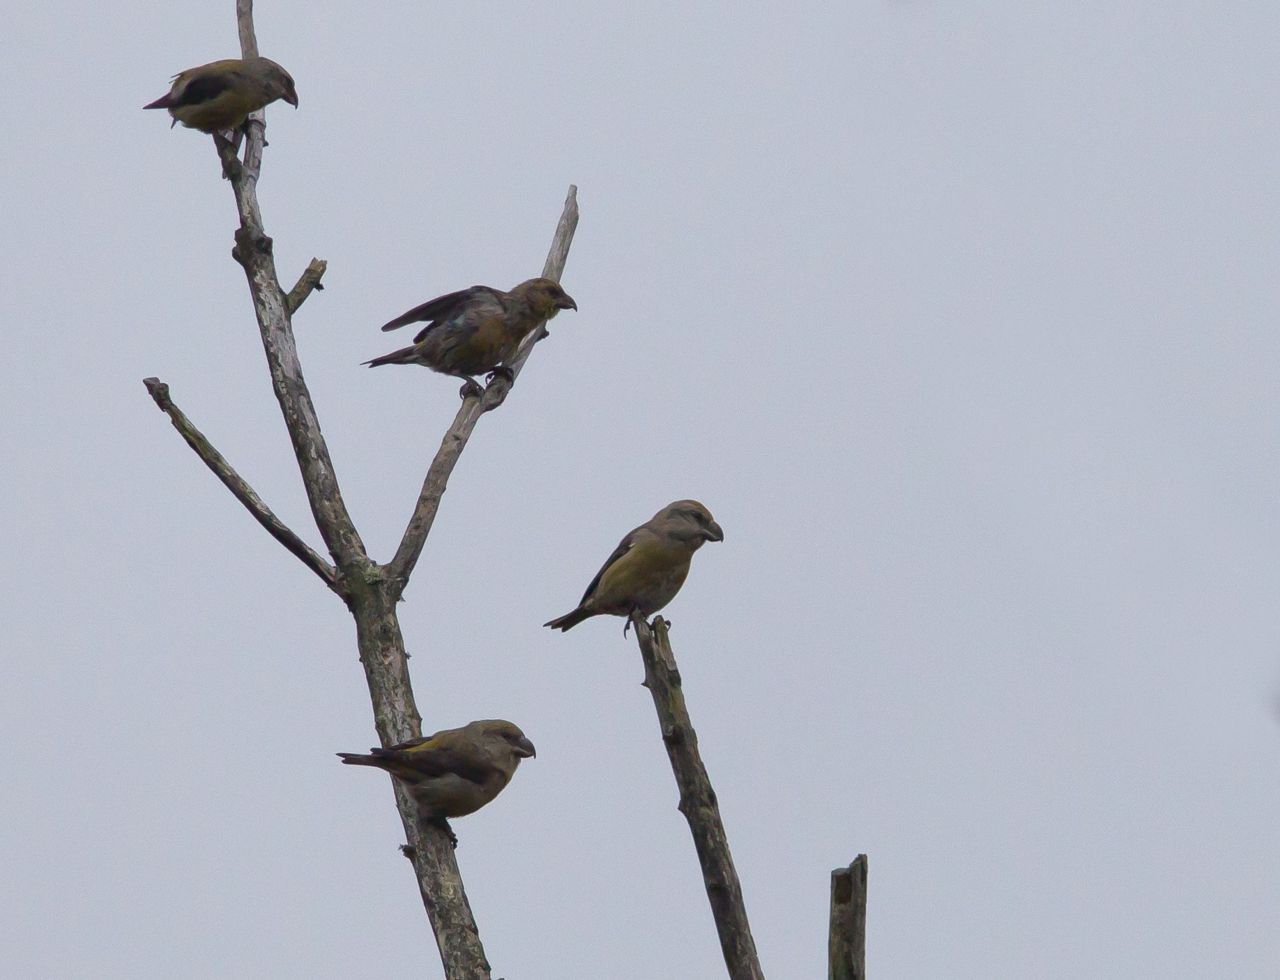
x: 369, y: 592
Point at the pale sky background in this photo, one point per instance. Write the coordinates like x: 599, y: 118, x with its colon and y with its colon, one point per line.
x: 960, y: 317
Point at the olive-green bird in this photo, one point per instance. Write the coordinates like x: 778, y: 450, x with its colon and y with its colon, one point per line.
x: 477, y: 330
x: 453, y: 772
x: 648, y: 567
x: 220, y: 95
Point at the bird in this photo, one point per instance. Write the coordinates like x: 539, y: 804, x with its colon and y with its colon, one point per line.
x: 220, y: 95
x: 648, y: 567
x: 453, y: 772
x: 477, y: 330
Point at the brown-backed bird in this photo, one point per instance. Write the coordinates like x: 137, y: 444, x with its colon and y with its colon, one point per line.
x: 648, y: 567
x: 218, y: 96
x: 453, y: 772
x: 477, y: 330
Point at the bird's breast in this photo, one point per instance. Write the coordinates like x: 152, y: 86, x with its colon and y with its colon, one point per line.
x: 226, y: 110
x: 646, y: 577
x: 453, y: 796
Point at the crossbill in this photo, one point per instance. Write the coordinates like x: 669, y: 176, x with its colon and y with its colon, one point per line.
x: 477, y: 330
x: 648, y: 567
x: 218, y: 96
x: 453, y: 772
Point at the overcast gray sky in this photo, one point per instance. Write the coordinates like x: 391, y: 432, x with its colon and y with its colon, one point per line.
x: 960, y: 317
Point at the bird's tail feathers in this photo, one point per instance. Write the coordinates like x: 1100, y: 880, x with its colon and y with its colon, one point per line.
x: 405, y: 355
x: 357, y: 759
x: 569, y: 620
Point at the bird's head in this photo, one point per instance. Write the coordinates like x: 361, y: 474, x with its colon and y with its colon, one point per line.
x: 545, y: 297
x: 279, y: 82
x: 502, y: 737
x: 690, y: 522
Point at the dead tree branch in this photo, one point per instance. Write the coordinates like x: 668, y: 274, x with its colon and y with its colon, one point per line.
x: 847, y: 942
x: 238, y: 486
x: 308, y: 281
x: 368, y: 590
x: 378, y: 633
x: 455, y: 440
x: 697, y: 800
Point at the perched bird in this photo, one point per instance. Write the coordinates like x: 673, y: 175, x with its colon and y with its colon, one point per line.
x: 648, y: 567
x: 218, y: 96
x: 477, y: 330
x: 453, y: 772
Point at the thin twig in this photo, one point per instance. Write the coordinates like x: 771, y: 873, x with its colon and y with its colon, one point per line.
x: 308, y: 281
x: 847, y: 940
x: 455, y: 439
x: 239, y: 487
x: 697, y: 800
x: 553, y: 268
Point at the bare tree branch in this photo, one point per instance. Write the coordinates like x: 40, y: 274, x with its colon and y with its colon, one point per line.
x: 368, y: 591
x: 244, y: 26
x: 239, y: 488
x: 553, y: 268
x: 847, y: 942
x: 455, y: 439
x: 697, y: 800
x: 396, y: 718
x: 253, y: 250
x: 308, y: 281
x: 378, y: 635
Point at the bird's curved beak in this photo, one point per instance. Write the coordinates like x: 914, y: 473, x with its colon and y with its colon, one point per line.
x: 567, y: 303
x: 524, y: 748
x: 714, y: 532
x: 291, y: 98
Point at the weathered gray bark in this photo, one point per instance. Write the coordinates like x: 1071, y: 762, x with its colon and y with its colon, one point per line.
x: 309, y: 280
x: 234, y: 482
x: 370, y: 590
x: 698, y: 800
x: 847, y: 940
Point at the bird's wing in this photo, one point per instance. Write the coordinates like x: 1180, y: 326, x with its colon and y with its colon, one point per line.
x: 625, y: 545
x: 448, y: 306
x: 206, y: 88
x: 439, y: 755
x: 198, y: 90
x: 482, y: 306
x: 204, y: 84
